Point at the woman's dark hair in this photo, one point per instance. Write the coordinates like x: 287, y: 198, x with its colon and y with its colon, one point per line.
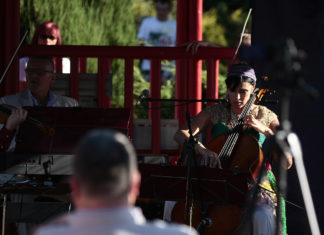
x: 233, y: 82
x: 239, y: 73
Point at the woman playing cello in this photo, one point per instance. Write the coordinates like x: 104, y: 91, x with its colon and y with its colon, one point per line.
x: 260, y: 122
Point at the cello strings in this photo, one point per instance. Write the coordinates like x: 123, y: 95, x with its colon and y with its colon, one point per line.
x: 236, y: 133
x: 225, y: 152
x: 230, y: 142
x: 233, y: 137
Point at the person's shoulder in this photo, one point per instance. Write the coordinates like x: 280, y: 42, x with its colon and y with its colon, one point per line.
x: 261, y: 109
x: 264, y: 114
x: 219, y: 107
x: 64, y: 101
x: 15, y: 95
x: 172, y: 21
x: 56, y: 226
x: 148, y: 20
x: 162, y: 227
x: 13, y: 99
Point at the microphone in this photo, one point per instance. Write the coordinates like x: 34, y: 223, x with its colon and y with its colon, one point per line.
x: 145, y: 94
x: 205, y: 222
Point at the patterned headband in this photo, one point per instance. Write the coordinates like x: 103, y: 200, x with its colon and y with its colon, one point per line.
x: 241, y: 70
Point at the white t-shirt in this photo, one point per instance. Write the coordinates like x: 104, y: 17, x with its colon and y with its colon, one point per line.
x: 157, y: 33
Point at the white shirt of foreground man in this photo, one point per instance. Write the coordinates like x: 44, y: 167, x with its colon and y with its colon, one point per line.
x: 104, y: 187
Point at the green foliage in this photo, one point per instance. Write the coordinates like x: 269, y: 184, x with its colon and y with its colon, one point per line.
x: 83, y: 22
x: 213, y: 31
x: 142, y: 9
x: 221, y: 84
x: 140, y: 84
x: 223, y: 25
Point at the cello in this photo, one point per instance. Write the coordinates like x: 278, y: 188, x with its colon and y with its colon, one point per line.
x: 240, y: 153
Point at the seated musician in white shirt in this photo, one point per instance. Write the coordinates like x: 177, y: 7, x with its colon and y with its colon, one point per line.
x: 40, y: 77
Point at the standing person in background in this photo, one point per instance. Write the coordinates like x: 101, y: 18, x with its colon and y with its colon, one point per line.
x: 158, y: 31
x: 105, y: 185
x: 48, y: 33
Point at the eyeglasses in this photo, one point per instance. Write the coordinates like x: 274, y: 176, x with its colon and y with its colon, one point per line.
x: 39, y: 72
x: 45, y: 36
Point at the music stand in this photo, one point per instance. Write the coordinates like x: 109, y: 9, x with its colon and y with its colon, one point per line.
x: 69, y: 125
x: 169, y: 183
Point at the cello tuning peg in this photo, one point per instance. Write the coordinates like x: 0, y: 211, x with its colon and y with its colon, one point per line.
x: 265, y: 78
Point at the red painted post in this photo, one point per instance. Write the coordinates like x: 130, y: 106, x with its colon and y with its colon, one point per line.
x: 195, y: 86
x: 212, y: 85
x: 195, y: 33
x: 58, y: 64
x: 83, y: 64
x: 212, y: 79
x: 129, y: 92
x: 155, y: 111
x: 188, y: 74
x: 181, y: 65
x: 74, y: 78
x: 10, y: 28
x: 182, y: 86
x: 182, y: 23
x: 108, y: 98
x: 101, y: 87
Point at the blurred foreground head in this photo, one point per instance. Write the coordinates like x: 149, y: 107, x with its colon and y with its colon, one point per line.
x: 105, y: 167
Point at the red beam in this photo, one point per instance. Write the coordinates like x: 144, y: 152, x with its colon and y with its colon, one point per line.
x: 182, y: 22
x: 10, y: 33
x: 74, y: 78
x: 212, y: 79
x: 129, y: 92
x: 101, y: 82
x: 125, y: 52
x: 155, y: 111
x: 212, y: 85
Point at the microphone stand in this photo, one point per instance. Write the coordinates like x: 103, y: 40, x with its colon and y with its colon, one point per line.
x: 188, y: 155
x: 286, y: 141
x: 286, y: 62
